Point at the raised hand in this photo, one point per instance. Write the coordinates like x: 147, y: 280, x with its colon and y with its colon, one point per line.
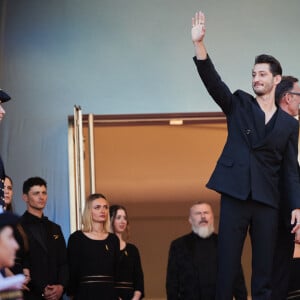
x: 198, y: 27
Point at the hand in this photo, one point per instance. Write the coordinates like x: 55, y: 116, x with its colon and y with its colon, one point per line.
x: 137, y: 295
x: 53, y: 292
x: 198, y: 27
x: 26, y: 273
x: 296, y: 219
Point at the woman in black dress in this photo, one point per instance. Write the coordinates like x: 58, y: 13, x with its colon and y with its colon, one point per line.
x: 130, y: 277
x: 93, y: 254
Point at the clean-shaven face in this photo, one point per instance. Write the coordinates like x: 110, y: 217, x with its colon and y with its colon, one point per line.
x: 2, y: 112
x: 8, y: 246
x: 8, y: 191
x: 99, y: 210
x: 120, y: 221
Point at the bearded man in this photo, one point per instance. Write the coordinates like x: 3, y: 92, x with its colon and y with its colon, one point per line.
x: 192, y: 263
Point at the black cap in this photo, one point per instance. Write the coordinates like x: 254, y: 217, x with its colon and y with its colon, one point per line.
x: 8, y: 219
x: 4, y: 97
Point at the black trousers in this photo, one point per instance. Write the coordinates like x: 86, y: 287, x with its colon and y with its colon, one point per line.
x: 236, y: 218
x: 283, y: 257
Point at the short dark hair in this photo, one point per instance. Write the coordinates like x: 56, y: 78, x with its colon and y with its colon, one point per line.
x: 285, y: 85
x: 32, y: 181
x: 275, y: 66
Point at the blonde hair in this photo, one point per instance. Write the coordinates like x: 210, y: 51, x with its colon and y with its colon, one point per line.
x: 87, y: 222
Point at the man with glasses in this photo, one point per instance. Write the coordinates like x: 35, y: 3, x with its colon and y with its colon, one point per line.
x: 287, y: 96
x: 4, y: 97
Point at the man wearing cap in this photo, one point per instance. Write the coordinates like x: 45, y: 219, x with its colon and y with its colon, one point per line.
x: 4, y: 97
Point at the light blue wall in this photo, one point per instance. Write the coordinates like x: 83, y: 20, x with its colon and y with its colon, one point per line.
x: 115, y: 57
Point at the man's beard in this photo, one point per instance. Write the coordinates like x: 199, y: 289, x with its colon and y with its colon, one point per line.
x: 204, y: 231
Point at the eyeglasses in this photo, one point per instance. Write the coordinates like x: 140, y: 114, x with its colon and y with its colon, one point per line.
x: 294, y: 93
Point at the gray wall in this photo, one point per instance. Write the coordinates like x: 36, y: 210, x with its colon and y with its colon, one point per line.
x: 116, y: 57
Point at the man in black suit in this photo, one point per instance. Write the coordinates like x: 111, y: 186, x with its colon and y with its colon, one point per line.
x: 4, y: 97
x: 192, y: 263
x: 261, y: 149
x: 47, y: 257
x: 287, y: 96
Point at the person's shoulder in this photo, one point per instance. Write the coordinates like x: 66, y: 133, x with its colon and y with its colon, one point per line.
x: 75, y: 236
x: 288, y: 118
x: 112, y: 237
x: 243, y: 94
x: 25, y: 216
x: 76, y: 233
x: 182, y: 239
x: 54, y: 227
x: 27, y: 219
x: 52, y: 223
x: 132, y: 247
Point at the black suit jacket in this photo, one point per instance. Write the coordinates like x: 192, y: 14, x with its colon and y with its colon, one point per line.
x: 251, y: 161
x: 183, y: 278
x: 47, y: 257
x: 2, y: 177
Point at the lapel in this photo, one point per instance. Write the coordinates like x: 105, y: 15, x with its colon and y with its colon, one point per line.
x: 252, y: 122
x: 278, y: 130
x: 258, y: 138
x: 259, y: 124
x: 35, y: 230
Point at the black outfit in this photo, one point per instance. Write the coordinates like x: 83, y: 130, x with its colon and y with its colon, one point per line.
x: 192, y: 270
x: 93, y: 266
x: 284, y: 250
x: 247, y: 175
x: 283, y: 257
x: 130, y: 275
x: 47, y: 256
x: 2, y: 178
x: 4, y: 97
x: 294, y: 280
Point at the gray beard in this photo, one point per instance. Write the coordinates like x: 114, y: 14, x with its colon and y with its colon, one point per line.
x: 204, y: 231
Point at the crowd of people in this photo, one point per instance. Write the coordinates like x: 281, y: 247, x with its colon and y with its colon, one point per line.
x: 97, y: 259
x: 257, y: 176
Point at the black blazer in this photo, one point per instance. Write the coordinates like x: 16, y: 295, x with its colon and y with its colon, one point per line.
x: 183, y: 280
x: 251, y: 162
x: 47, y: 255
x: 2, y: 177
